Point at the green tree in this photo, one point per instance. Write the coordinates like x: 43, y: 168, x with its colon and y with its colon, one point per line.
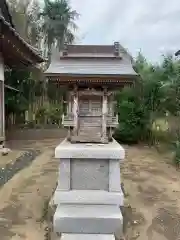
x: 26, y: 18
x: 58, y: 23
x: 133, y: 116
x: 141, y: 105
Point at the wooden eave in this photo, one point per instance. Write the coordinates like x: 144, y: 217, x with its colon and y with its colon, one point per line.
x: 76, y: 57
x: 14, y: 49
x: 91, y: 79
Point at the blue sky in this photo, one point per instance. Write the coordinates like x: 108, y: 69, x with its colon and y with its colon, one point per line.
x: 152, y: 26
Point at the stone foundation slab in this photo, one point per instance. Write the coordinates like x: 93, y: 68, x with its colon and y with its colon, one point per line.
x: 92, y: 197
x: 94, y: 151
x: 95, y: 219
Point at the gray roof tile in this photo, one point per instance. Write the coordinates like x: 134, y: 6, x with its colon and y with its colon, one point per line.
x: 91, y: 67
x: 91, y: 60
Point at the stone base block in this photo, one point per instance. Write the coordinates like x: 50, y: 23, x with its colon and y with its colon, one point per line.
x: 95, y: 219
x: 91, y: 197
x: 87, y: 237
x: 112, y: 150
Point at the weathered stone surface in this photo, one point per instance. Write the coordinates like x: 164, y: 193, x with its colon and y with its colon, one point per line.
x: 87, y: 174
x: 88, y: 197
x: 114, y: 176
x: 89, y: 192
x: 64, y: 175
x: 112, y: 150
x: 102, y: 174
x: 92, y: 219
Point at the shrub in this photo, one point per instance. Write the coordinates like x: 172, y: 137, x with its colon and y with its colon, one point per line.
x: 41, y: 115
x: 54, y: 114
x: 133, y: 118
x: 51, y: 114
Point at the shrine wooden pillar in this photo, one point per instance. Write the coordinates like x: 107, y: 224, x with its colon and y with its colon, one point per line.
x: 104, y: 114
x: 111, y: 114
x: 75, y: 110
x: 69, y: 103
x: 2, y: 113
x: 110, y: 104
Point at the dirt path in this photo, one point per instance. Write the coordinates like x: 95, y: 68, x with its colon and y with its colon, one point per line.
x: 24, y: 198
x: 153, y: 191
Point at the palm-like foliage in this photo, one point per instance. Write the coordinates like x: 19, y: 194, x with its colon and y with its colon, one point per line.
x: 58, y: 23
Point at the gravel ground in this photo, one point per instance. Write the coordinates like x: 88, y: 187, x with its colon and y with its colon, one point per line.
x: 7, y: 172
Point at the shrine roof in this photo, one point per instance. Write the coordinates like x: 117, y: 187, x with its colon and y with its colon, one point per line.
x: 18, y: 38
x: 76, y: 51
x: 91, y: 60
x: 91, y: 67
x: 13, y: 46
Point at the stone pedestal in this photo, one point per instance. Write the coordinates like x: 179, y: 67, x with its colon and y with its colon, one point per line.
x: 88, y: 195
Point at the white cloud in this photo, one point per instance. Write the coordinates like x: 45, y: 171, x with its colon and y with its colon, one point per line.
x: 152, y: 26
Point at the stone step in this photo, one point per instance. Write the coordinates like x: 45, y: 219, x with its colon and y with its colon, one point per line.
x: 93, y: 219
x: 87, y: 237
x: 90, y: 197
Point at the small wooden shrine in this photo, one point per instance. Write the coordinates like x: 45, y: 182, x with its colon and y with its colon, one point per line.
x: 92, y: 73
x: 14, y: 53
